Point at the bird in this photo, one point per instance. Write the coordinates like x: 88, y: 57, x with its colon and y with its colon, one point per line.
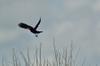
x: 30, y: 28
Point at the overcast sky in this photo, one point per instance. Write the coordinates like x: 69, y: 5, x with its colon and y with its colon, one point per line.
x: 66, y: 20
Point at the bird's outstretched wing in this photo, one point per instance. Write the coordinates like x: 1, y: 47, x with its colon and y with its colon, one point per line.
x: 37, y: 24
x: 25, y: 26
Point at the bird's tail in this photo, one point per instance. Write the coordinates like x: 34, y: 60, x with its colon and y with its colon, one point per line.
x: 40, y: 31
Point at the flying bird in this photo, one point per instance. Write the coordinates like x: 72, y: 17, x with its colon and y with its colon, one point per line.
x: 32, y: 29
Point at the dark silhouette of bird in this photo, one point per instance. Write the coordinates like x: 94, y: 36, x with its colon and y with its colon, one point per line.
x: 32, y: 29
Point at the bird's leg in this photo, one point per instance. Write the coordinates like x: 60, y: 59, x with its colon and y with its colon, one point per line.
x: 36, y: 35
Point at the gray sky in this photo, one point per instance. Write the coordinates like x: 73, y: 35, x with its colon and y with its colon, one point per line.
x: 66, y: 20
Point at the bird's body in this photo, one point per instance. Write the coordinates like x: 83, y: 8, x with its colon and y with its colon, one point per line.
x: 33, y: 30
